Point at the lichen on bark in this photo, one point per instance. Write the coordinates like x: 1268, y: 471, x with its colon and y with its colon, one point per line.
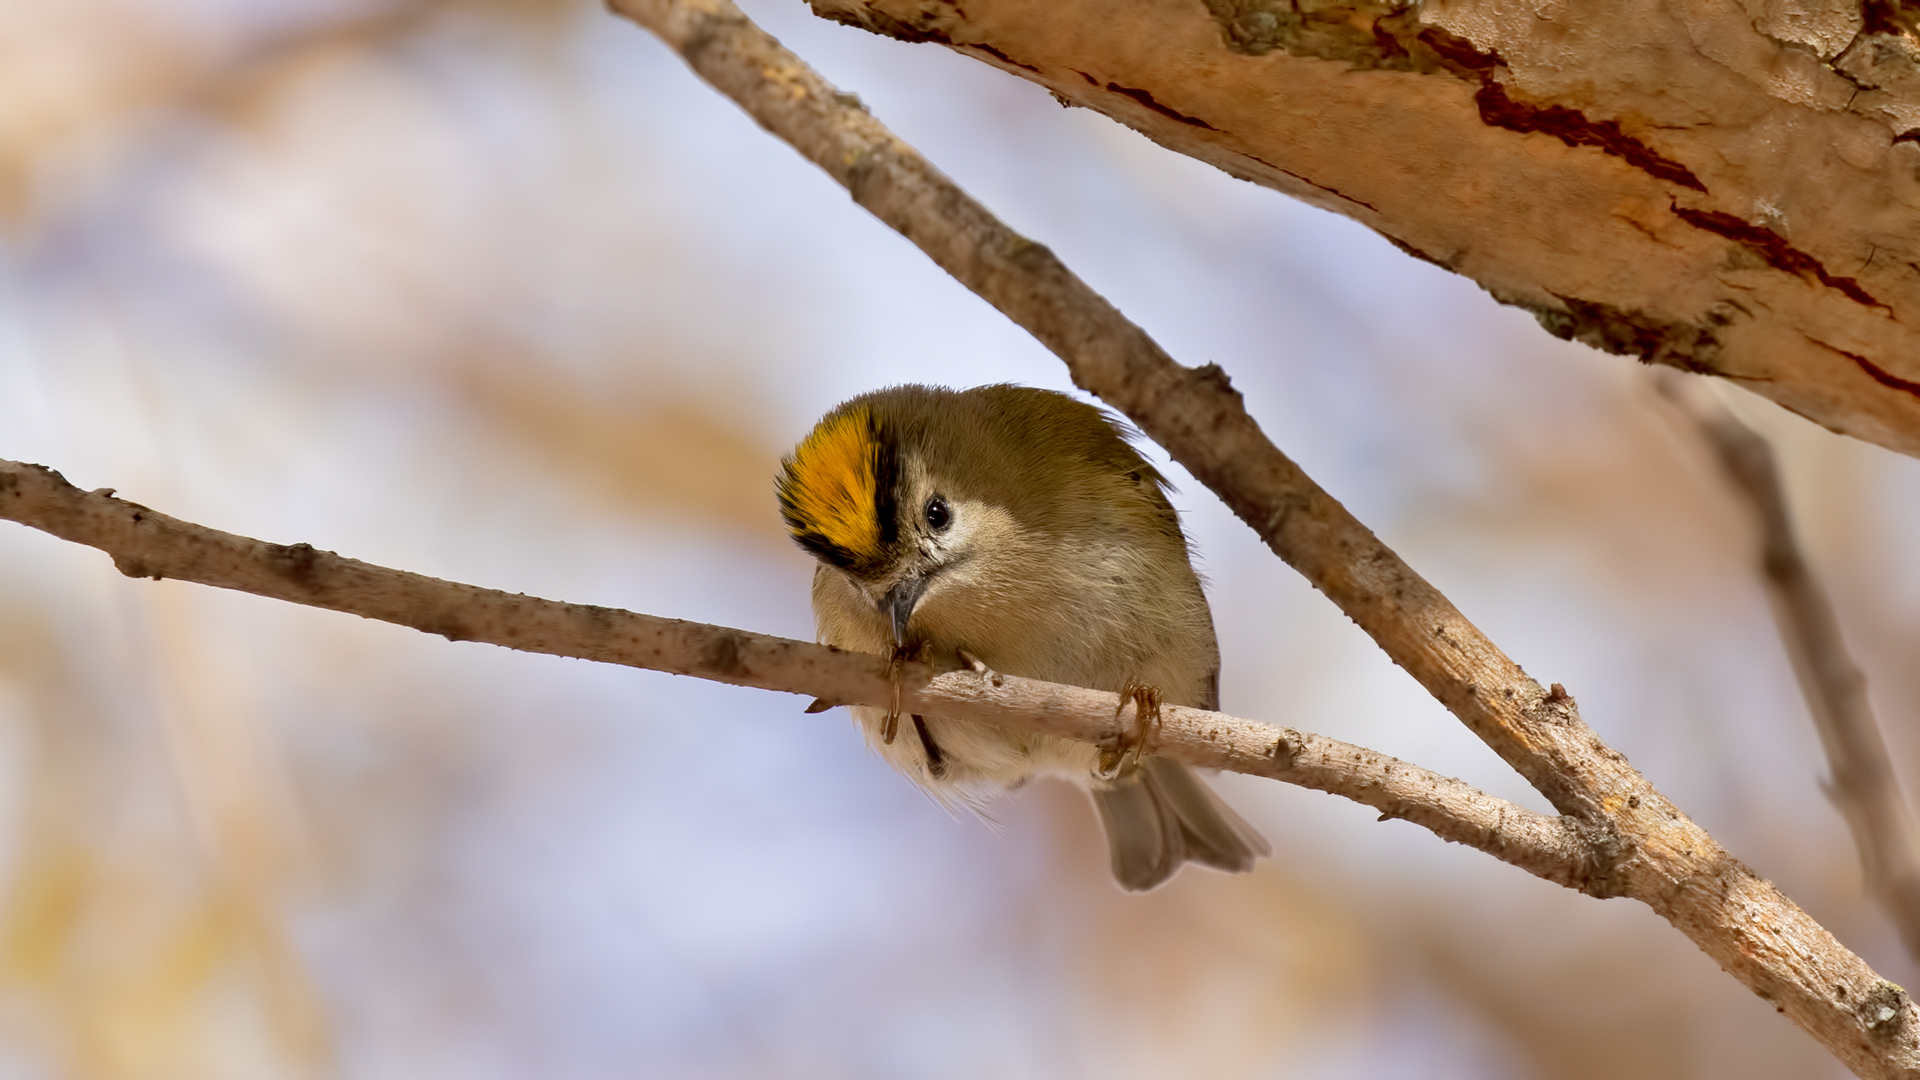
x: 1691, y: 347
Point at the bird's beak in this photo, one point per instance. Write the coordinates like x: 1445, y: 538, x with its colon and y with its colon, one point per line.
x: 899, y: 602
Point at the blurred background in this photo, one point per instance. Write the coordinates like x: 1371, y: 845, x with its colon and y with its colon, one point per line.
x: 495, y: 290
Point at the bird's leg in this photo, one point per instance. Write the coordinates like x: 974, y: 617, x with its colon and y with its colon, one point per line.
x: 1146, y: 715
x: 896, y: 663
x: 898, y: 656
x: 936, y: 758
x: 936, y: 761
x: 1123, y: 757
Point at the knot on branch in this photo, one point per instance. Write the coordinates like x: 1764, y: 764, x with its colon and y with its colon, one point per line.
x: 1886, y: 1012
x: 1557, y: 708
x: 1599, y: 871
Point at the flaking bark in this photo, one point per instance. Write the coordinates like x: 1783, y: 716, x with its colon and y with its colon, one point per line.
x: 1721, y: 187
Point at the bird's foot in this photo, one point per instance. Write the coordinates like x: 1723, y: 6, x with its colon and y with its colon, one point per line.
x: 1123, y: 757
x: 898, y: 657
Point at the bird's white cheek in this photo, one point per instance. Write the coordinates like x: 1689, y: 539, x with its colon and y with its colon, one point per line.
x: 974, y: 562
x: 950, y: 586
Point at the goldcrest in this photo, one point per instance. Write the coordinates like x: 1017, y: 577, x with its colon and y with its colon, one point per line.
x: 1016, y: 527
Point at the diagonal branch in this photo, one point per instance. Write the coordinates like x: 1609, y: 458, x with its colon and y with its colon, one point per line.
x: 145, y: 543
x: 1650, y: 850
x: 1864, y: 785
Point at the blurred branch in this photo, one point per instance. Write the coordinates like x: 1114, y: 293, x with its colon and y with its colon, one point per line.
x: 144, y: 543
x: 1864, y: 785
x: 1646, y: 848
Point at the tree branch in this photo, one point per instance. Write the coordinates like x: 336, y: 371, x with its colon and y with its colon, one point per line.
x: 1649, y: 849
x: 1864, y: 785
x: 145, y: 543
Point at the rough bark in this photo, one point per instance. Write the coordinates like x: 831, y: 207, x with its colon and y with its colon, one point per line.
x: 1725, y: 188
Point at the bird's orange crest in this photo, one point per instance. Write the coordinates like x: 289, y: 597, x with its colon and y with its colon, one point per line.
x: 830, y: 489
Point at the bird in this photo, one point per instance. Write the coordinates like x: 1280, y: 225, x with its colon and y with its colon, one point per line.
x: 1017, y: 529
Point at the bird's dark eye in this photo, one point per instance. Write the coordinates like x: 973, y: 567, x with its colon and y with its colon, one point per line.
x: 938, y: 516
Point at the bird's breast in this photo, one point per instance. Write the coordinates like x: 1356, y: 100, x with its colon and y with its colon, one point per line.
x: 1087, y: 615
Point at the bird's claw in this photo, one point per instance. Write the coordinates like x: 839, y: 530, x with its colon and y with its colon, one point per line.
x: 1122, y: 759
x: 898, y: 656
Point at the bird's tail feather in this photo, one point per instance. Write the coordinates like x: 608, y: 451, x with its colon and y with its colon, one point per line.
x: 1162, y: 816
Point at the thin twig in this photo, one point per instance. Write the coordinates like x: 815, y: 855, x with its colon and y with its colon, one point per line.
x: 1864, y: 785
x: 146, y: 543
x: 1648, y: 848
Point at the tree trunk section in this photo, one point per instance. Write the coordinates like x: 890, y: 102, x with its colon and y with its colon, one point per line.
x: 1725, y: 189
